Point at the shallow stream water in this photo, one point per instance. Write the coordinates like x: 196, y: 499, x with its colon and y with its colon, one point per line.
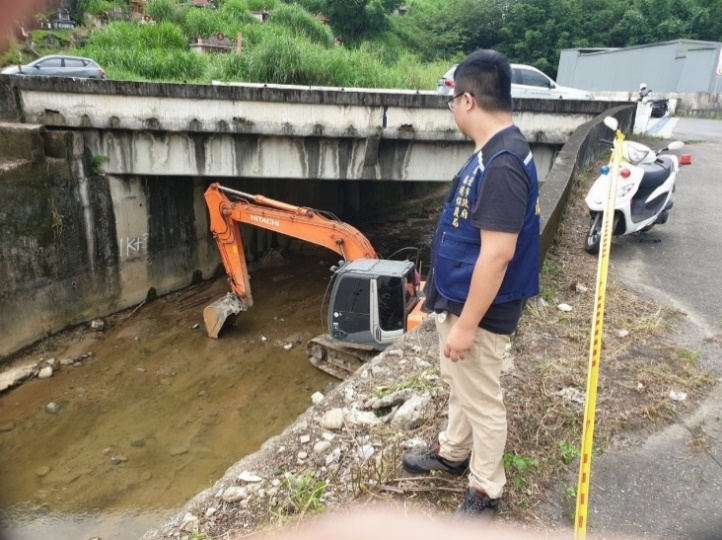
x: 160, y: 411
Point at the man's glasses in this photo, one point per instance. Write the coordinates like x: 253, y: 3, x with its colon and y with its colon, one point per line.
x: 450, y: 102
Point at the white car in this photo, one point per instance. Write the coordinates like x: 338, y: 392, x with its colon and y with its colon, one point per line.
x: 526, y: 82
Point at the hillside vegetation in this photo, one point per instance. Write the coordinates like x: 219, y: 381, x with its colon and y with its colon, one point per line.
x: 366, y: 44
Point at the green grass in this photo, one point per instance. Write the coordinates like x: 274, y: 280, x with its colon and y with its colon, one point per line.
x: 300, y: 496
x: 517, y: 467
x: 691, y: 356
x: 65, y: 36
x: 569, y: 451
x: 96, y: 164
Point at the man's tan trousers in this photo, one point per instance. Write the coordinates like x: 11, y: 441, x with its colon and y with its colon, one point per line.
x: 477, y: 416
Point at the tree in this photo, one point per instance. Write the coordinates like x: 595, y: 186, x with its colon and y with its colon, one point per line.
x: 353, y: 19
x: 633, y: 29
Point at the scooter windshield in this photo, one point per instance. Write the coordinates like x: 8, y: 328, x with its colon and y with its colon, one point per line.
x: 635, y: 153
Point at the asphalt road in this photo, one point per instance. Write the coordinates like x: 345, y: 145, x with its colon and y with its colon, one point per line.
x: 667, y: 487
x: 684, y: 266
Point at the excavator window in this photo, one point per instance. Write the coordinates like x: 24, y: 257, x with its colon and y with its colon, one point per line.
x: 352, y: 307
x: 353, y: 296
x: 391, y: 303
x: 410, y: 283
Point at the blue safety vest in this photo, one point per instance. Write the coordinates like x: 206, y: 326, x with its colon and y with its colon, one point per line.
x: 458, y: 242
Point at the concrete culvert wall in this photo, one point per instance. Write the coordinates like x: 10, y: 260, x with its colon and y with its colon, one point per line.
x: 74, y: 247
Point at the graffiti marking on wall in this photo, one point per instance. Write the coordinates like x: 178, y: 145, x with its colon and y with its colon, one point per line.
x: 133, y: 246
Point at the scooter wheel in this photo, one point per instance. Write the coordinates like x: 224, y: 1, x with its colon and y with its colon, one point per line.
x: 594, y: 236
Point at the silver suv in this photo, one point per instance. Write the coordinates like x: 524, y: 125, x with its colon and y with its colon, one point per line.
x: 59, y: 66
x: 526, y: 82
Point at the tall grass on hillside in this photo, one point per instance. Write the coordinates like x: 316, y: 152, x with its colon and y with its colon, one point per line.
x: 291, y: 48
x: 133, y: 35
x: 285, y: 59
x: 149, y: 52
x: 162, y: 10
x: 312, y: 6
x: 258, y: 5
x: 206, y: 22
x: 302, y: 23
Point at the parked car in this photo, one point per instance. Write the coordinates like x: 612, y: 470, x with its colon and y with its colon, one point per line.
x: 526, y: 82
x: 59, y: 66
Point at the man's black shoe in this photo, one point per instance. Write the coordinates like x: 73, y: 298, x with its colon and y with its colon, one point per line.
x: 428, y: 460
x: 477, y: 504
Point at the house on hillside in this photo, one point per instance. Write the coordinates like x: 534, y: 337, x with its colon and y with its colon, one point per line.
x: 203, y: 4
x: 260, y: 15
x: 217, y: 43
x: 60, y: 20
x: 138, y: 8
x: 682, y: 65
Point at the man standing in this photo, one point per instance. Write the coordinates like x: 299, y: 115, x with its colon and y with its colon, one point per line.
x: 485, y: 263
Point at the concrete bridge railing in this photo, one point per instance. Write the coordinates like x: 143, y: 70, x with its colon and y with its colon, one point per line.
x: 271, y: 131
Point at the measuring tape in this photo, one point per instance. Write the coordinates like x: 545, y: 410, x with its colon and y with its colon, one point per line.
x: 595, y: 346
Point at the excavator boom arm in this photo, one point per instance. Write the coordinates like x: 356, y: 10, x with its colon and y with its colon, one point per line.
x: 295, y: 221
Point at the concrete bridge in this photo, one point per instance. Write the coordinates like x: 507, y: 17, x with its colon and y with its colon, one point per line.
x: 101, y: 182
x: 270, y: 131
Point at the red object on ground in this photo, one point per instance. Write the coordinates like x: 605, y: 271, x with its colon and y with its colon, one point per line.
x: 685, y: 159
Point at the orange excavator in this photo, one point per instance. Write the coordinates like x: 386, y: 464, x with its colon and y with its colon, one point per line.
x: 373, y: 301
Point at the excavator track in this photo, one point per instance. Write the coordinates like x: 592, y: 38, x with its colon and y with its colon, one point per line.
x: 338, y: 359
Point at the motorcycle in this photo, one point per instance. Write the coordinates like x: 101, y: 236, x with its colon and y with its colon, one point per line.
x: 659, y: 106
x: 644, y: 191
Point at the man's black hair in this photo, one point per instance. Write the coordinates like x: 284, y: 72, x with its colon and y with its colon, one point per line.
x: 486, y: 74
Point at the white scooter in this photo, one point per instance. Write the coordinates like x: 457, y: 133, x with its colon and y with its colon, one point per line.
x: 644, y: 191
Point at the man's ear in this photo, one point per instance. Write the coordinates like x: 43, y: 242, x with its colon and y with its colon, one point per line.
x: 469, y: 101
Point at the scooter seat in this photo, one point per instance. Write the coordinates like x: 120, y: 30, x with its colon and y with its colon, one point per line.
x: 656, y: 173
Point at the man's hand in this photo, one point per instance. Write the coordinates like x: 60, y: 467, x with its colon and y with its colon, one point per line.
x: 497, y: 249
x: 459, y: 342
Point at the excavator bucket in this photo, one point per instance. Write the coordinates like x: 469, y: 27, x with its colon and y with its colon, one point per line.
x: 216, y: 314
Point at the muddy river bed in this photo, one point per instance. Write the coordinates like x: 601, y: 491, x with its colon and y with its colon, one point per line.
x: 140, y: 416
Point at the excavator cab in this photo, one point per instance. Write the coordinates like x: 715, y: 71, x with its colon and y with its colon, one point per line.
x: 370, y: 307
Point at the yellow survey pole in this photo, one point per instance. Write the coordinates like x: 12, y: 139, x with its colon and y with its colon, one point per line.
x: 595, y: 346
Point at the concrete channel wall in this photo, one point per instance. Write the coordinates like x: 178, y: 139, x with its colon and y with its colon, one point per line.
x: 74, y: 246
